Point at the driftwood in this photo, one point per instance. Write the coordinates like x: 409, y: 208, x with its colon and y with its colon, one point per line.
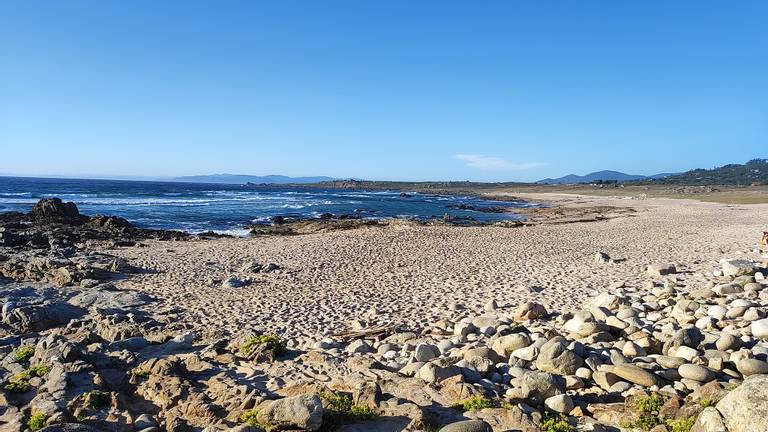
x: 381, y: 330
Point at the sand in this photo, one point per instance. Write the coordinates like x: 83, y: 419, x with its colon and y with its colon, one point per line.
x: 413, y: 276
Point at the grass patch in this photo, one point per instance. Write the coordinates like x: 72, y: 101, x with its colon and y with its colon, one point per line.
x: 249, y: 418
x: 341, y: 410
x: 96, y: 399
x: 706, y: 403
x: 37, y: 421
x: 23, y: 353
x: 475, y: 403
x: 556, y: 424
x: 273, y: 343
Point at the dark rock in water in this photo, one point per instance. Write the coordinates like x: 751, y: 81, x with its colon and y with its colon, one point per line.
x: 478, y: 209
x: 55, y: 210
x: 404, y: 195
x: 109, y: 222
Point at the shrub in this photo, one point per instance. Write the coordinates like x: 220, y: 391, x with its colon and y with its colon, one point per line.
x: 249, y: 418
x: 556, y: 424
x: 18, y: 386
x: 649, y: 404
x: 37, y: 421
x: 342, y: 410
x: 681, y: 425
x: 23, y: 353
x: 39, y: 369
x: 474, y: 403
x: 273, y: 343
x: 96, y: 399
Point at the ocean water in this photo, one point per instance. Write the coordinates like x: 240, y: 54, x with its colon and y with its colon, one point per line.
x: 195, y: 207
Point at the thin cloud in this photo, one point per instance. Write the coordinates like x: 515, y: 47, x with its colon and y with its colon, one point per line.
x: 493, y: 163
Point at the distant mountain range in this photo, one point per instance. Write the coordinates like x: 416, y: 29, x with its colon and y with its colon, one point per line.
x: 242, y: 179
x: 601, y: 176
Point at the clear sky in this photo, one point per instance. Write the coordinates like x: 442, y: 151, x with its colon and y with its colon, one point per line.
x: 414, y: 90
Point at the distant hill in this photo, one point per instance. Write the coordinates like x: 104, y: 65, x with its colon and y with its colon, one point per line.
x: 754, y: 171
x: 242, y: 179
x: 599, y: 176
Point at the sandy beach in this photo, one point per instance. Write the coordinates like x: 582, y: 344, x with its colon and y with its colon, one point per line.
x: 414, y: 275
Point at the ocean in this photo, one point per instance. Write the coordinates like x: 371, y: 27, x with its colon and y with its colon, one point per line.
x: 198, y: 207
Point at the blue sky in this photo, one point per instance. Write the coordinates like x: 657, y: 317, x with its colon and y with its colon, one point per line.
x: 495, y: 91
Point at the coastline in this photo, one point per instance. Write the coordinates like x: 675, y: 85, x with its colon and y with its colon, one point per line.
x: 576, y: 318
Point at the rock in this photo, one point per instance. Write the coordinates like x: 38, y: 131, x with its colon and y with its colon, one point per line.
x: 727, y: 342
x: 464, y: 329
x: 297, y: 412
x: 433, y: 374
x: 555, y: 357
x: 709, y: 420
x: 542, y: 385
x: 529, y: 311
x: 696, y: 372
x: 744, y: 409
x: 559, y: 403
x: 760, y: 329
x: 38, y: 317
x: 358, y: 346
x: 467, y: 426
x: 505, y: 345
x: 749, y: 367
x: 656, y: 270
x: 635, y: 375
x: 602, y: 257
x: 55, y: 210
x: 425, y: 352
x: 233, y: 282
x: 737, y: 267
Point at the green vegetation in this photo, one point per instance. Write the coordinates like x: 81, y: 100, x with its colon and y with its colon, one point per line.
x: 96, y: 399
x: 556, y: 424
x: 706, y: 402
x: 22, y: 386
x: 141, y: 373
x: 754, y: 171
x: 23, y: 353
x: 474, y: 403
x: 648, y: 409
x: 341, y: 410
x: 249, y: 418
x: 681, y: 425
x: 39, y: 369
x: 37, y: 421
x: 273, y: 343
x: 649, y: 404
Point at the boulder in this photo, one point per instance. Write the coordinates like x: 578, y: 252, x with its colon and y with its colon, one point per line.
x: 635, y: 375
x: 737, y: 267
x: 656, y: 270
x: 467, y: 426
x: 744, y: 409
x: 760, y: 329
x: 55, y: 210
x: 298, y: 412
x: 554, y: 356
x: 529, y: 311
